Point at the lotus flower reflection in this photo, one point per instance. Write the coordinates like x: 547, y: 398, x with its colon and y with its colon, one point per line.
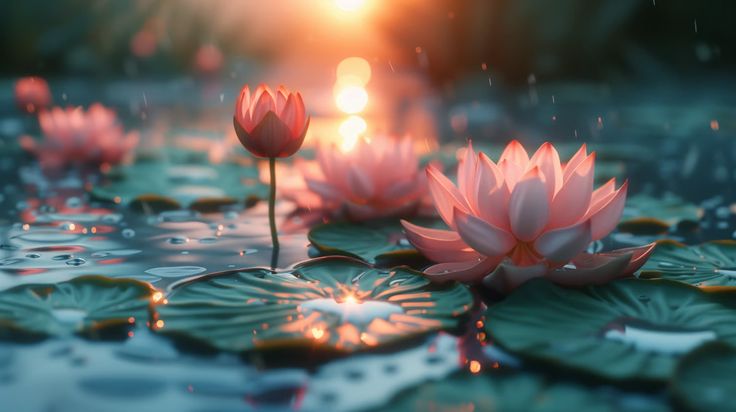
x: 376, y: 178
x: 524, y: 218
x: 75, y: 137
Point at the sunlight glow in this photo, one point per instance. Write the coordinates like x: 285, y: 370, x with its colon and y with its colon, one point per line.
x: 353, y: 70
x: 318, y: 333
x: 350, y: 131
x: 349, y: 5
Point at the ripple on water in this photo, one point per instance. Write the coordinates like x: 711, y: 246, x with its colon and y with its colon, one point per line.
x: 122, y: 387
x: 47, y: 236
x: 117, y: 252
x: 175, y: 271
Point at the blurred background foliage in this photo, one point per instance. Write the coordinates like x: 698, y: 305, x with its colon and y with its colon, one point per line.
x: 449, y: 39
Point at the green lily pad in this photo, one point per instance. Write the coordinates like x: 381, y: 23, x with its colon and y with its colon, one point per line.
x: 512, y: 392
x: 86, y: 305
x: 373, y: 241
x: 158, y: 186
x: 707, y: 265
x: 628, y: 329
x: 704, y: 379
x: 644, y: 214
x: 334, y: 302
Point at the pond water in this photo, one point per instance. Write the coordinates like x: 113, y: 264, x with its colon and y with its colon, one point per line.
x: 51, y: 230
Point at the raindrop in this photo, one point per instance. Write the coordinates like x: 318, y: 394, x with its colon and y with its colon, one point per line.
x: 33, y: 255
x: 112, y: 218
x: 10, y: 261
x: 354, y: 374
x: 208, y: 240
x: 62, y: 257
x: 73, y: 202
x: 76, y: 262
x: 433, y: 359
x: 723, y: 212
x: 177, y: 240
x: 644, y: 298
x: 128, y: 233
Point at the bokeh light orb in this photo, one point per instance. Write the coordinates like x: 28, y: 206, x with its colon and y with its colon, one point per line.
x: 355, y: 69
x: 351, y: 99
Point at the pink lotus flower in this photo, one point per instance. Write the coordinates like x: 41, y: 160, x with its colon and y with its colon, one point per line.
x: 75, y: 137
x: 270, y: 124
x: 524, y: 218
x: 32, y: 94
x: 375, y: 179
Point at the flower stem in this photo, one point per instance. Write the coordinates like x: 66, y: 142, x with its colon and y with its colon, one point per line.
x: 272, y: 213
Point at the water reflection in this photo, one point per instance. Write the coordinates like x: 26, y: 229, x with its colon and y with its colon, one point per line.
x: 660, y: 339
x: 61, y: 237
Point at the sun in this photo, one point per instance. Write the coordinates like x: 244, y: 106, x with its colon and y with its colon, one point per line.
x: 349, y: 5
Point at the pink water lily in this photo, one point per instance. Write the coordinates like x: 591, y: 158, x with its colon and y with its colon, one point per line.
x: 75, y: 137
x: 375, y: 179
x: 524, y: 218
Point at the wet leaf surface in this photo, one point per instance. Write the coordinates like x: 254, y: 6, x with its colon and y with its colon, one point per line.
x: 373, y: 241
x: 330, y: 303
x: 627, y: 330
x: 645, y: 214
x: 709, y: 264
x: 704, y: 379
x: 86, y: 305
x: 156, y: 186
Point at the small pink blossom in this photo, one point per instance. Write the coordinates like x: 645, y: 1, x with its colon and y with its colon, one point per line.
x: 32, y: 94
x: 75, y: 137
x: 270, y: 124
x: 524, y: 218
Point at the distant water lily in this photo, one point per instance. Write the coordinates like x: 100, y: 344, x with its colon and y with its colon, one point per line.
x: 524, y: 218
x: 32, y: 94
x: 377, y: 178
x: 75, y: 137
